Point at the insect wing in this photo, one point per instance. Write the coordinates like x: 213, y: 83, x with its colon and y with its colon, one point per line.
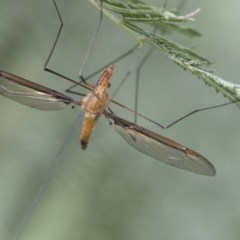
x: 32, y: 94
x: 162, y: 148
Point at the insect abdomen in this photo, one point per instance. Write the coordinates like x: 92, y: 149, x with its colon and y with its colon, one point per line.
x: 87, y: 128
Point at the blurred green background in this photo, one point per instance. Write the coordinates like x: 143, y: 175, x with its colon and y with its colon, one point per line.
x: 111, y: 191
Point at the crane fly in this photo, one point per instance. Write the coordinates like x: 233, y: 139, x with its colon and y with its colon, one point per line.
x: 94, y: 105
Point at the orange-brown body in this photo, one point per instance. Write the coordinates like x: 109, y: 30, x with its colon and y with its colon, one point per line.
x: 88, y: 125
x: 94, y: 104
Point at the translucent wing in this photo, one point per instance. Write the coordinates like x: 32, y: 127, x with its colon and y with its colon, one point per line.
x: 32, y: 94
x: 162, y: 148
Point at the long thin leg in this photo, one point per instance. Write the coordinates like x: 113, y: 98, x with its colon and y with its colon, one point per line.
x: 47, y: 177
x: 91, y: 45
x: 82, y: 81
x: 137, y: 83
x: 59, y: 155
x: 122, y: 56
x: 84, y: 85
x: 198, y: 110
x: 176, y: 121
x: 145, y: 59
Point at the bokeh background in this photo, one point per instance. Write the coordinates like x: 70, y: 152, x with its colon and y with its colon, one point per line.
x: 111, y: 191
